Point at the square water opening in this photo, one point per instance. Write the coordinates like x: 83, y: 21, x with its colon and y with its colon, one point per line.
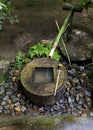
x: 43, y: 75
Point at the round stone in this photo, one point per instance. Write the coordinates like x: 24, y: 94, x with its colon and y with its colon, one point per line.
x: 39, y: 80
x: 78, y: 45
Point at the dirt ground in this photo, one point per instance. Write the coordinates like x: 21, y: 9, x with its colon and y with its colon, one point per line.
x: 36, y: 22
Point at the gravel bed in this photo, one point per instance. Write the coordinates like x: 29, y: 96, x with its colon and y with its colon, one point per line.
x: 76, y: 99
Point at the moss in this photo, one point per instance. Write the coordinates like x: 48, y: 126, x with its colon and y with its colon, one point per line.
x: 2, y: 78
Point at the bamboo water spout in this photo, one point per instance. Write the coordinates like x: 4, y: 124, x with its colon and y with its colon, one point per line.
x: 62, y: 30
x: 66, y: 23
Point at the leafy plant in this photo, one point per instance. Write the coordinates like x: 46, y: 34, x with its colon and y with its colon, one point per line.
x: 20, y: 60
x: 86, y: 3
x: 41, y: 50
x: 6, y: 12
x: 37, y: 50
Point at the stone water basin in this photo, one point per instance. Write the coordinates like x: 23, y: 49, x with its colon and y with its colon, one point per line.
x: 39, y: 80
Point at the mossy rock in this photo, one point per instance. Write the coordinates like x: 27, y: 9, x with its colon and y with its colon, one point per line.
x: 77, y: 43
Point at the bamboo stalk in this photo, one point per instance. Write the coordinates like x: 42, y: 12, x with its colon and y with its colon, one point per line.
x: 57, y: 82
x: 64, y: 26
x: 63, y: 44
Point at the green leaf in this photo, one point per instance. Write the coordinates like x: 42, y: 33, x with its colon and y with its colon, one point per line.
x: 26, y: 60
x: 19, y: 56
x: 56, y: 56
x: 46, y: 51
x: 19, y: 65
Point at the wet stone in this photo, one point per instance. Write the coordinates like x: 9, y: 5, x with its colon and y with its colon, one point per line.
x: 71, y: 105
x: 16, y: 72
x: 75, y: 81
x: 3, y: 103
x: 1, y: 108
x: 69, y: 77
x: 6, y: 111
x: 82, y: 68
x: 81, y: 101
x: 69, y: 99
x: 77, y: 97
x: 2, y: 91
x: 17, y: 104
x: 88, y: 99
x: 85, y: 106
x: 12, y: 112
x: 56, y: 107
x: 87, y: 93
x: 89, y: 104
x: 74, y: 113
x: 1, y: 111
x: 61, y: 101
x: 6, y: 98
x: 14, y: 99
x: 65, y: 114
x: 56, y: 113
x: 78, y: 87
x: 41, y: 110
x: 83, y: 75
x: 6, y: 107
x: 91, y: 114
x: 75, y: 105
x: 51, y: 109
x: 81, y: 94
x: 11, y: 72
x: 17, y: 108
x: 9, y: 93
x: 72, y: 72
x: 19, y: 95
x: 23, y: 108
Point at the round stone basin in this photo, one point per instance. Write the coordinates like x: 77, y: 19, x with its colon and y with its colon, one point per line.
x: 39, y: 79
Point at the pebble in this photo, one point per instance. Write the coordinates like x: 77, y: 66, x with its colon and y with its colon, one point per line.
x: 69, y: 100
x: 19, y: 95
x: 75, y: 81
x: 72, y: 72
x: 17, y: 104
x: 16, y: 72
x: 41, y: 110
x: 87, y: 93
x: 83, y: 75
x: 74, y: 113
x: 56, y: 107
x: 6, y: 98
x: 17, y: 108
x: 82, y: 68
x: 23, y: 108
x: 2, y: 91
x: 14, y: 99
x: 78, y: 87
x: 77, y: 97
x: 88, y: 99
x: 61, y: 101
x: 14, y: 79
x: 3, y: 103
x: 80, y: 102
x: 91, y: 114
x: 74, y: 100
x: 1, y: 111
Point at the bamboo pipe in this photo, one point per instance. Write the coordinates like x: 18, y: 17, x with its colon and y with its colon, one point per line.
x: 62, y: 30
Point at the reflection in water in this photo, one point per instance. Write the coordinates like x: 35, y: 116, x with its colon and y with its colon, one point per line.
x: 43, y: 75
